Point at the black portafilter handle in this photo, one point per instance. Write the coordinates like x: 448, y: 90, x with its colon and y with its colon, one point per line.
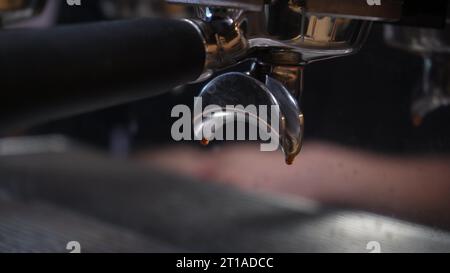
x: 54, y: 73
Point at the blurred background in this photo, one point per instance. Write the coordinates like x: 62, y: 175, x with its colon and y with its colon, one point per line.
x: 375, y: 164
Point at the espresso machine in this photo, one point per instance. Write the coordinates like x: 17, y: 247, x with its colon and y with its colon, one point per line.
x: 98, y: 65
x: 56, y: 192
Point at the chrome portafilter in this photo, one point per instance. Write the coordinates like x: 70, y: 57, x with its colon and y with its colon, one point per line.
x: 238, y: 97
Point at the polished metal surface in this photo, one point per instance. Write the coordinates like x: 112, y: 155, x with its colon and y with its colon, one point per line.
x: 291, y: 77
x: 314, y: 37
x: 285, y: 26
x: 219, y: 98
x: 253, y: 5
x: 235, y: 88
x: 292, y: 125
x: 225, y: 43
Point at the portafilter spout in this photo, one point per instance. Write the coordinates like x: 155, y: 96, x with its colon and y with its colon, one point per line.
x: 238, y: 97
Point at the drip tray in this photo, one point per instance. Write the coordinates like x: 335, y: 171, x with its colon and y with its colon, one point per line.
x: 68, y: 193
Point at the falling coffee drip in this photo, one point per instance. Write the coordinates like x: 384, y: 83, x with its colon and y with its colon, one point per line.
x: 204, y: 142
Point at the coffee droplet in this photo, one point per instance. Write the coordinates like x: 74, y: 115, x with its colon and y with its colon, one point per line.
x: 417, y: 120
x: 204, y: 142
x: 290, y: 159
